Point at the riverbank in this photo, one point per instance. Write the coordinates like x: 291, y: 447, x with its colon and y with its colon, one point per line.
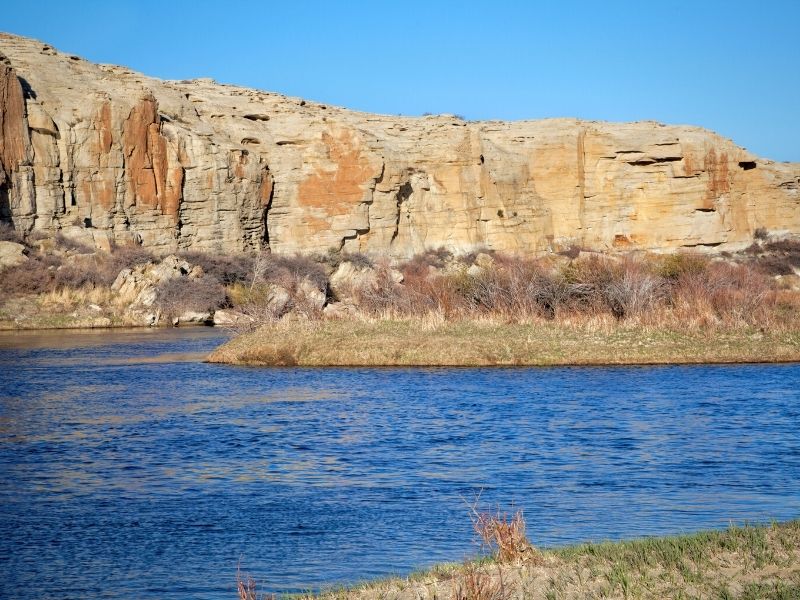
x: 486, y: 343
x: 738, y: 563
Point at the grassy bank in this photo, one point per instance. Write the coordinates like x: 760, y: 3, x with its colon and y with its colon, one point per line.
x: 744, y: 563
x: 480, y: 343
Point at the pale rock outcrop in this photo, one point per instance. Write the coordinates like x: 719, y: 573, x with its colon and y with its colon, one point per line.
x: 12, y: 254
x: 139, y: 287
x: 349, y: 278
x: 191, y: 317
x: 310, y: 293
x: 228, y: 317
x: 105, y: 155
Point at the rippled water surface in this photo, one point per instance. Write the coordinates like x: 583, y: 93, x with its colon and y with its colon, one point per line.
x: 128, y: 468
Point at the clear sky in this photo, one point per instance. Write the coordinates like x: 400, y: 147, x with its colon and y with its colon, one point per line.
x: 731, y: 66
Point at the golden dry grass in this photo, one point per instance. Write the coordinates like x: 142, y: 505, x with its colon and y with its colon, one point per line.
x: 433, y: 342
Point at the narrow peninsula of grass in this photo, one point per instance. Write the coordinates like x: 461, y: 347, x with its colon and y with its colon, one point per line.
x: 742, y: 563
x: 478, y: 343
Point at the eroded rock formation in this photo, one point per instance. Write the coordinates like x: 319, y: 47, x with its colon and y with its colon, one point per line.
x: 108, y: 155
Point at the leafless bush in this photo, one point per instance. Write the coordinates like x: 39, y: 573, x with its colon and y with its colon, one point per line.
x: 71, y: 245
x: 100, y: 268
x: 358, y: 259
x: 130, y: 255
x: 634, y: 290
x: 380, y: 294
x: 226, y: 268
x: 9, y: 234
x: 35, y: 276
x: 78, y: 274
x: 289, y: 271
x: 180, y: 294
x: 475, y: 584
x: 573, y: 251
x: 777, y: 265
x: 246, y: 587
x: 734, y: 293
x: 585, y: 283
x: 421, y: 263
x: 502, y: 533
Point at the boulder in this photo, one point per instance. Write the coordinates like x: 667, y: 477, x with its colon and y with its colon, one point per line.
x: 140, y: 282
x: 309, y: 292
x: 12, y: 254
x: 339, y: 310
x: 231, y: 317
x: 193, y: 317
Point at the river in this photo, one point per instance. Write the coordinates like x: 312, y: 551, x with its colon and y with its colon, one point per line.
x: 130, y: 468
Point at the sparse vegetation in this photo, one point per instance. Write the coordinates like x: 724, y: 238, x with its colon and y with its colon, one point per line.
x: 741, y: 562
x: 503, y: 534
x: 197, y: 294
x: 434, y: 341
x: 8, y: 233
x: 752, y: 290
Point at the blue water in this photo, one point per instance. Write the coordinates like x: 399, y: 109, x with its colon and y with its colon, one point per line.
x: 128, y: 468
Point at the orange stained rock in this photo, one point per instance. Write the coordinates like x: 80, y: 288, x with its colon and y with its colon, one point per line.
x: 339, y: 189
x: 717, y: 169
x: 104, y: 137
x: 13, y: 128
x: 99, y: 192
x: 153, y: 183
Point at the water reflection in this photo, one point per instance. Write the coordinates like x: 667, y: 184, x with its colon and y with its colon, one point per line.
x: 127, y: 468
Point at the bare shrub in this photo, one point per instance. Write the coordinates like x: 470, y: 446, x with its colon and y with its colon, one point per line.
x: 573, y: 251
x: 776, y: 265
x: 780, y: 257
x: 9, y: 234
x: 180, y: 294
x: 423, y: 293
x: 421, y: 263
x: 78, y: 274
x: 246, y: 588
x: 381, y: 294
x: 790, y: 247
x: 475, y: 584
x: 131, y: 255
x: 289, y: 271
x: 109, y: 265
x: 730, y: 292
x: 586, y: 281
x: 358, y: 259
x: 226, y: 268
x: 70, y: 245
x: 634, y: 290
x: 761, y: 233
x: 35, y: 276
x: 504, y: 534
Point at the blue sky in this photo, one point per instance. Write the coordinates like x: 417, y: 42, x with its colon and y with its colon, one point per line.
x: 733, y: 66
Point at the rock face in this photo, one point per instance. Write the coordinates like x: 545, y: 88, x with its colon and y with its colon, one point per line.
x: 108, y: 155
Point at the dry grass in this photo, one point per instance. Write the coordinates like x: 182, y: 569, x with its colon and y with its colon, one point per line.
x: 475, y: 583
x: 247, y: 588
x: 436, y: 342
x: 504, y: 534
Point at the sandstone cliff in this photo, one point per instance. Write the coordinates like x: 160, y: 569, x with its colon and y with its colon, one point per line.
x: 108, y: 155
